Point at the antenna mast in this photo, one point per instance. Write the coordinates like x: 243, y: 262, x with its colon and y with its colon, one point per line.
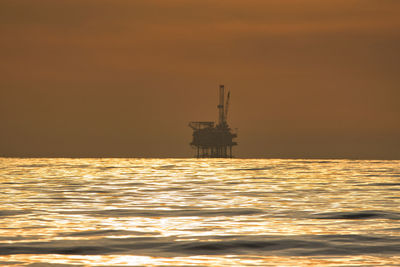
x: 221, y: 105
x: 227, y: 105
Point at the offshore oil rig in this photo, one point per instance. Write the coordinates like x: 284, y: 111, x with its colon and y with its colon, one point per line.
x: 214, y: 141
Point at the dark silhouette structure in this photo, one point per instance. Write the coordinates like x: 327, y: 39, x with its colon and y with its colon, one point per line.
x: 212, y: 141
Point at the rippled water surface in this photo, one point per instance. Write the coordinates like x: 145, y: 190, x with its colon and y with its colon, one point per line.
x: 154, y: 212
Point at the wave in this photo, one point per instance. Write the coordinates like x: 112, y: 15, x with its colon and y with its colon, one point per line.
x: 109, y: 232
x: 7, y: 213
x: 254, y: 169
x: 358, y: 215
x: 382, y: 184
x: 170, y: 213
x: 305, y: 245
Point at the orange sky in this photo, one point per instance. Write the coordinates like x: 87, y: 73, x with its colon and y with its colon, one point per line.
x: 105, y: 78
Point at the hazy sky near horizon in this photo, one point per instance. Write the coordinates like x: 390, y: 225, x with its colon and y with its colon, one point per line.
x: 113, y: 78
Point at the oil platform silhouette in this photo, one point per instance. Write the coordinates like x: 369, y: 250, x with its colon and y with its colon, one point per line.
x: 212, y: 141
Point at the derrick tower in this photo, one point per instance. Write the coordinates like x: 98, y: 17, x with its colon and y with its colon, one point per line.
x: 214, y: 141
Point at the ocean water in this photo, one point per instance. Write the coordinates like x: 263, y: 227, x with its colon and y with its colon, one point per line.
x: 199, y: 212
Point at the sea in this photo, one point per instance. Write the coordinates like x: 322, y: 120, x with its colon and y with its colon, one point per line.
x: 199, y: 212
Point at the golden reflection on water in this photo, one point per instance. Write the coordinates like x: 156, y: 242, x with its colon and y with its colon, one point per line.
x: 226, y: 260
x: 58, y: 198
